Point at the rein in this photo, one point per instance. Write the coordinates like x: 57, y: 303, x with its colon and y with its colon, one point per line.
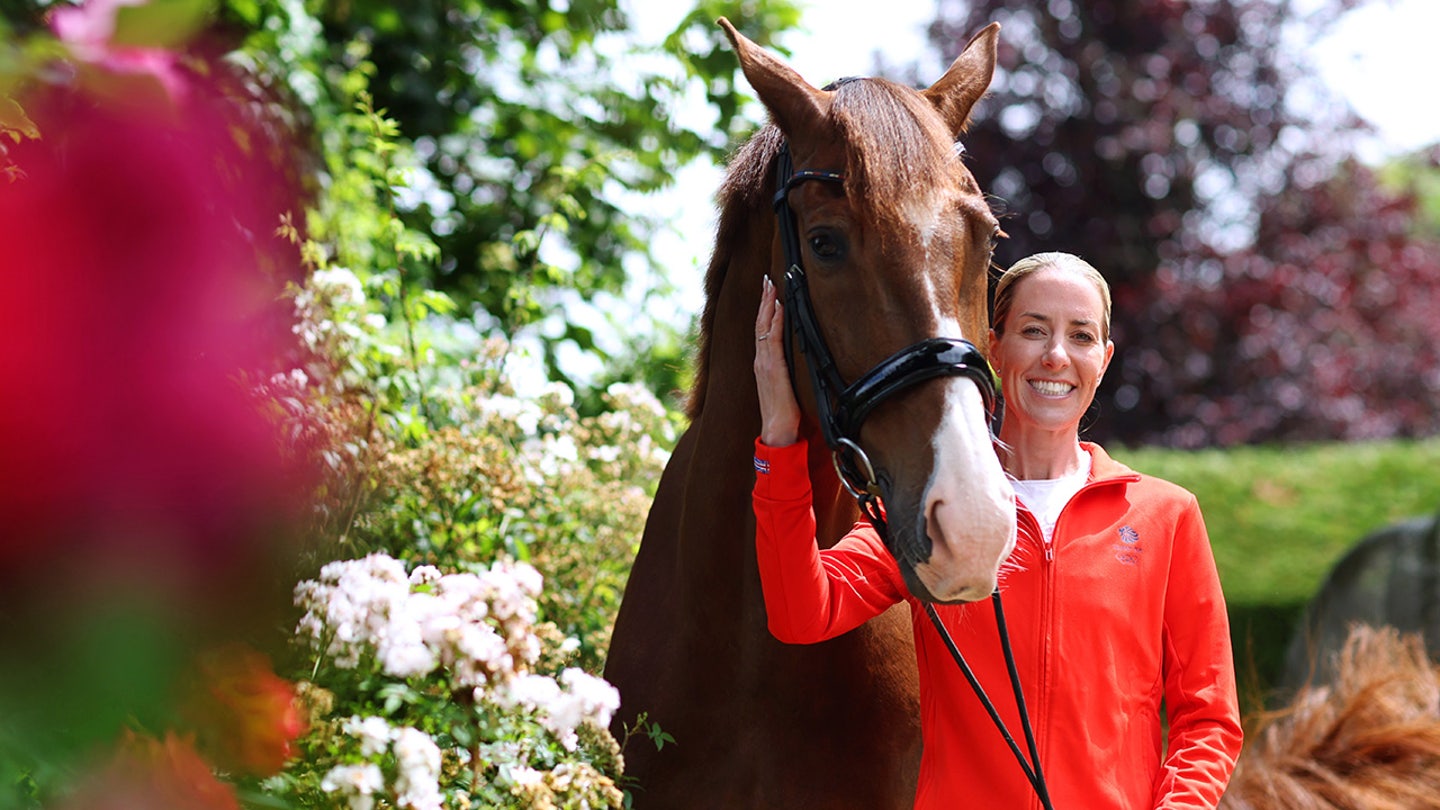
x: 843, y: 408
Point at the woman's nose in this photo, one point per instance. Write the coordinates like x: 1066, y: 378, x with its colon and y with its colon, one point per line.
x: 1055, y: 356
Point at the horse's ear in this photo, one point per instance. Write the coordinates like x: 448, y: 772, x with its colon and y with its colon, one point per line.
x: 967, y: 79
x: 796, y: 106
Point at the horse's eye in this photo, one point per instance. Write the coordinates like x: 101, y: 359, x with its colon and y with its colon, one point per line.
x: 826, y: 246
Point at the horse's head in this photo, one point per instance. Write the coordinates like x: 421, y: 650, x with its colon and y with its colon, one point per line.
x: 895, y: 237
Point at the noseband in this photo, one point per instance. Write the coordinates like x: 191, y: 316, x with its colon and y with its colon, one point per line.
x: 843, y: 408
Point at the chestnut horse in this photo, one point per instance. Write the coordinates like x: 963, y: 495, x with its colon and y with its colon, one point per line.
x: 896, y: 241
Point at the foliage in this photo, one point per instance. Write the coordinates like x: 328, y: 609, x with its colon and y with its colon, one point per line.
x: 1110, y: 122
x: 525, y: 130
x: 460, y: 467
x: 570, y: 496
x: 436, y: 457
x: 407, y: 407
x: 1182, y: 147
x: 1418, y: 174
x: 522, y: 134
x: 462, y: 473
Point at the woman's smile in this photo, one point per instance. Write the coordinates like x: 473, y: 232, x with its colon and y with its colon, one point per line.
x: 1052, y: 388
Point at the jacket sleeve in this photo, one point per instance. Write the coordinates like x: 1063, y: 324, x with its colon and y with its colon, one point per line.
x: 1200, y: 694
x: 812, y: 595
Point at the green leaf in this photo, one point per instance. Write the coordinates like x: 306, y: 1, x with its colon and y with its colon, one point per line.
x: 247, y: 10
x: 15, y: 122
x: 160, y: 23
x: 396, y: 695
x: 438, y: 302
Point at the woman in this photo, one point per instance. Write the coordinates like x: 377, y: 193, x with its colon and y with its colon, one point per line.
x: 1111, y: 596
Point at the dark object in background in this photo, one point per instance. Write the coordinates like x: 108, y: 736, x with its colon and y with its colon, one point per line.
x: 1391, y: 577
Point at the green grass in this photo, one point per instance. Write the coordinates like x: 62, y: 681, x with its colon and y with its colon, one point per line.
x: 1280, y: 517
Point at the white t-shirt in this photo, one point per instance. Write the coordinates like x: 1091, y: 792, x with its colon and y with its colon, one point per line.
x: 1045, y: 497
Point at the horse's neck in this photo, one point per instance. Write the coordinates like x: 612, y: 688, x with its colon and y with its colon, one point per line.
x: 721, y: 472
x: 724, y: 454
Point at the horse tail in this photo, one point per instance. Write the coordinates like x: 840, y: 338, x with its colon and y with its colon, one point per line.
x: 1370, y: 738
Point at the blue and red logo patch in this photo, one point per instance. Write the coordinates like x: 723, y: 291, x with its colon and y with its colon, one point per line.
x: 1128, y: 550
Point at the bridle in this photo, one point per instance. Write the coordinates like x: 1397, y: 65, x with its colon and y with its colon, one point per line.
x: 842, y: 409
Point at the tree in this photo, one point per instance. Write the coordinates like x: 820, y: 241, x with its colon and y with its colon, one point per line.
x: 526, y: 124
x: 1328, y: 328
x: 1158, y: 138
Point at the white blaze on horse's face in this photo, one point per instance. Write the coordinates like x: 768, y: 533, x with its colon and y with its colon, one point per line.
x: 967, y: 511
x: 968, y: 504
x: 921, y: 211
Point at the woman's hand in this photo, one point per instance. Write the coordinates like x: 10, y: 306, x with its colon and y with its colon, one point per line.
x: 779, y: 412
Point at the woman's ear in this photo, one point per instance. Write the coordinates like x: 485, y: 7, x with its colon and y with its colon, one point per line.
x: 990, y: 352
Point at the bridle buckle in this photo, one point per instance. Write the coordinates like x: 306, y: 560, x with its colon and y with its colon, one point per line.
x: 844, y: 456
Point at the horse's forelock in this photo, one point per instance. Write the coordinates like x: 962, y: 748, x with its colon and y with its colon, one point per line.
x: 900, y: 151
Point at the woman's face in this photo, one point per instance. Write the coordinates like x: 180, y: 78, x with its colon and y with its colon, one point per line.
x: 1051, y: 353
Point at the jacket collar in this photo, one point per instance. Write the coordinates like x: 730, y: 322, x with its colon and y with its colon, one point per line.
x: 1105, y: 468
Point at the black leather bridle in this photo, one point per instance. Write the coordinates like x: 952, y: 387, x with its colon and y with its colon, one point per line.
x: 842, y: 410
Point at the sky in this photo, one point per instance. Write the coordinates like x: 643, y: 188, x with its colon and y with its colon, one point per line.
x: 1376, y: 58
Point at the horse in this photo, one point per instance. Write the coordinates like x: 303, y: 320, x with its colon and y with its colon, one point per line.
x: 1365, y: 738
x: 897, y: 239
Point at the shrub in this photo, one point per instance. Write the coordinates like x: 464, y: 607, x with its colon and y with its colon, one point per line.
x: 430, y: 689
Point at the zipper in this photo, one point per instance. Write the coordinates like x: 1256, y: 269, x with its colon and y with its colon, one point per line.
x: 1047, y: 621
x: 1040, y: 708
x: 1037, y: 702
x: 1047, y: 642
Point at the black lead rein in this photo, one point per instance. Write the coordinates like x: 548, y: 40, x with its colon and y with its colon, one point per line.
x: 840, y: 416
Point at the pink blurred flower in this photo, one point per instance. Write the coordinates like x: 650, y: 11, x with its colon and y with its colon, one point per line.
x: 142, y: 279
x: 142, y: 484
x: 146, y: 492
x: 89, y: 26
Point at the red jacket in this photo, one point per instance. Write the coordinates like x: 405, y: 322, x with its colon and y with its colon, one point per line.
x: 1124, y: 611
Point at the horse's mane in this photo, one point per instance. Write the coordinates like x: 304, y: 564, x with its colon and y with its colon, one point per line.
x: 899, y: 152
x: 1371, y: 740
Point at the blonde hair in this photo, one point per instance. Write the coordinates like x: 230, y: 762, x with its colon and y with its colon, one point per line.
x: 1005, y: 288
